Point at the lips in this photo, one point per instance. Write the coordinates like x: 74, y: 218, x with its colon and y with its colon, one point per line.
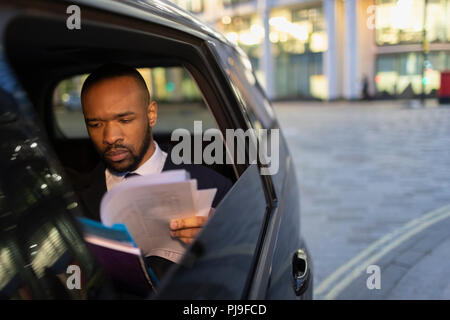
x: 116, y: 155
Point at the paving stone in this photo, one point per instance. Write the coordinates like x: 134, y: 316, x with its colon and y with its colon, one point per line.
x: 409, y: 258
x: 388, y: 160
x: 428, y: 279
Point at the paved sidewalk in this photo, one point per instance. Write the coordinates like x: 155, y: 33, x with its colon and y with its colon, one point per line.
x: 365, y: 170
x: 417, y: 269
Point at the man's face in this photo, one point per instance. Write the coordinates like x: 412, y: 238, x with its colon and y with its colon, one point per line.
x: 119, y: 121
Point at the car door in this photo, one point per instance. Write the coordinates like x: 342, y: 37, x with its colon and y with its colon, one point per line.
x: 280, y: 272
x: 220, y: 264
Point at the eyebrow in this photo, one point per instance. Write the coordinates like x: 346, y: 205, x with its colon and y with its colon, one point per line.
x: 120, y: 115
x: 124, y: 114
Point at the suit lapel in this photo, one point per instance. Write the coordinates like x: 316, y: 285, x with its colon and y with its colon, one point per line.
x: 169, y: 165
x: 94, y: 191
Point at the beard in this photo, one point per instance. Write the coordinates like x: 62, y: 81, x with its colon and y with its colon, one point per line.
x: 134, y: 158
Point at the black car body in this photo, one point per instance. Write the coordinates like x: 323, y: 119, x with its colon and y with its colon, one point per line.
x: 251, y: 247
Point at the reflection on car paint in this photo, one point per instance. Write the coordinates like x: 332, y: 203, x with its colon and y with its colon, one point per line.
x: 38, y: 238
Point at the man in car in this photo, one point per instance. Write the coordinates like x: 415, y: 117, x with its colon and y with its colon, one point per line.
x: 119, y: 116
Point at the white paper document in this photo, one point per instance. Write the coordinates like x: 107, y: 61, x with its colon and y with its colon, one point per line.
x: 146, y: 204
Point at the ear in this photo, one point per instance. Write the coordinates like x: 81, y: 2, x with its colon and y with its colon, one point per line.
x: 152, y: 113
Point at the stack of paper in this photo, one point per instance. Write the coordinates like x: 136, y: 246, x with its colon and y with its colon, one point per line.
x: 146, y: 204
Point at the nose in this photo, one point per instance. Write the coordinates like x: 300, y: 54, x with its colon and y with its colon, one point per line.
x: 111, y: 134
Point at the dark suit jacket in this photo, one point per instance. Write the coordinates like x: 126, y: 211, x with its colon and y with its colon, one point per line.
x: 91, y: 189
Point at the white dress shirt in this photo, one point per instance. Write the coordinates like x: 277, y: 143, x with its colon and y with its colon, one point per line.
x: 153, y: 165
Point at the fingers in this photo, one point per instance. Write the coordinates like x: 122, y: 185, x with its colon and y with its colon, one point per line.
x: 187, y: 229
x: 187, y: 240
x: 185, y: 233
x: 191, y: 222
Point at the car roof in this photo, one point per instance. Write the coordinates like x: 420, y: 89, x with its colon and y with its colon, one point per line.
x: 160, y: 12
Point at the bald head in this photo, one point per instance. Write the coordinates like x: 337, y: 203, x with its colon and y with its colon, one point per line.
x: 115, y: 70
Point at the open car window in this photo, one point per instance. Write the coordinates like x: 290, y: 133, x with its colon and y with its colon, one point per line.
x: 181, y: 105
x: 179, y: 99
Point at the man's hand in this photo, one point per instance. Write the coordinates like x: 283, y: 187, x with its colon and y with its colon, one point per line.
x: 187, y: 229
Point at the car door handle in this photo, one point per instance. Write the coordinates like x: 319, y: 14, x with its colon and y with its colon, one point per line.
x: 300, y: 271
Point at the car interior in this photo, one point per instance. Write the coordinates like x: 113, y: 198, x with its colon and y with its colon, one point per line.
x: 51, y: 70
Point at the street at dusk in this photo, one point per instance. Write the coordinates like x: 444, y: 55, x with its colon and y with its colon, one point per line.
x: 366, y: 169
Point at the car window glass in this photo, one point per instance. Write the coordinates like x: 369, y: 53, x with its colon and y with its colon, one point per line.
x: 258, y: 109
x: 244, y: 81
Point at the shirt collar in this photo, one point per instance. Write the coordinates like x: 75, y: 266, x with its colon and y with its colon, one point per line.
x: 153, y: 165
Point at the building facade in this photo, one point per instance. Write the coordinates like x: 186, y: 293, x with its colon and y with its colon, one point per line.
x: 327, y: 49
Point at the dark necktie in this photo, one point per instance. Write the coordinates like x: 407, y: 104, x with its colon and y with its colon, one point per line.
x: 131, y: 175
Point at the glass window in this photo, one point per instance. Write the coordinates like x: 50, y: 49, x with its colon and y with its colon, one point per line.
x: 401, y: 74
x: 195, y: 6
x: 399, y: 21
x: 298, y: 40
x: 247, y: 32
x: 386, y: 63
x: 436, y: 20
x: 257, y: 107
x: 438, y: 60
x: 402, y: 21
x: 246, y: 87
x: 447, y: 22
x: 410, y: 64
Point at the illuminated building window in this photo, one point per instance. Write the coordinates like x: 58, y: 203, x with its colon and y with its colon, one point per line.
x: 437, y: 20
x: 402, y: 21
x: 195, y: 6
x: 247, y: 32
x: 298, y: 40
x: 401, y: 74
